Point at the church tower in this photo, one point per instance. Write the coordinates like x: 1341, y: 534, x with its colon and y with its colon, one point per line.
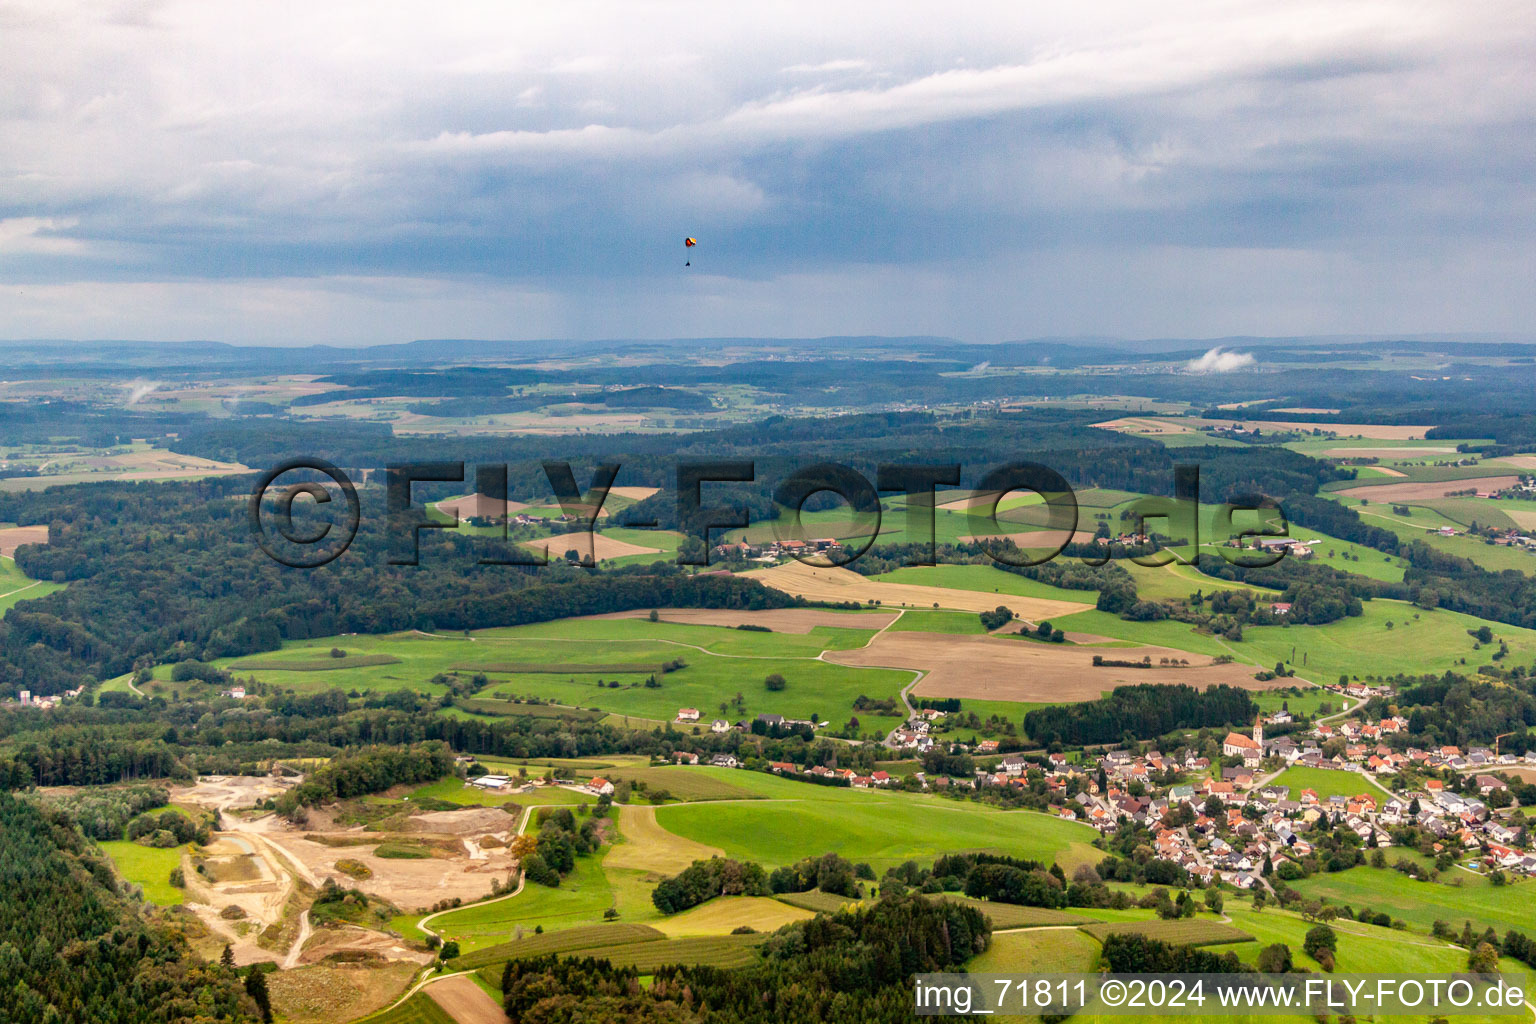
x: 1258, y: 730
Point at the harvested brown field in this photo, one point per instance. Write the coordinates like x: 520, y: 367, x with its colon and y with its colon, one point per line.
x: 1523, y: 518
x: 1185, y: 425
x: 1421, y: 491
x: 1387, y: 453
x: 649, y: 847
x: 1518, y: 461
x: 1147, y: 425
x: 634, y: 493
x: 594, y: 545
x: 322, y: 994
x: 834, y: 584
x: 478, y: 506
x: 465, y: 1001
x: 13, y: 537
x: 993, y: 668
x: 780, y: 620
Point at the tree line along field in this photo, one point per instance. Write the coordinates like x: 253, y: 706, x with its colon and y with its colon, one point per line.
x: 561, y: 662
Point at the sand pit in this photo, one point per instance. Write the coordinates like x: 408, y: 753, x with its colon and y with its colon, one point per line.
x: 231, y: 792
x: 780, y: 620
x: 465, y: 1001
x: 1419, y: 491
x: 994, y: 668
x: 13, y: 537
x: 351, y: 939
x: 593, y: 545
x: 471, y: 821
x: 407, y: 883
x: 832, y: 584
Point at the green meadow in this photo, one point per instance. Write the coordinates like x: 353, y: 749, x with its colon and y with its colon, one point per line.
x: 799, y: 820
x: 1326, y: 783
x: 1456, y: 897
x: 148, y: 868
x: 1416, y: 641
x: 564, y: 662
x: 16, y: 585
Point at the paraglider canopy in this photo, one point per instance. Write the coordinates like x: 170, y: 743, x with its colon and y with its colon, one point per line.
x: 689, y: 243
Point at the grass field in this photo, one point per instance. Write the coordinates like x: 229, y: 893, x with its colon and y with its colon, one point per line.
x: 583, y: 937
x: 817, y: 901
x: 581, y: 898
x: 800, y: 820
x: 1052, y: 951
x: 1361, y: 646
x: 16, y: 585
x: 1325, y: 783
x: 1188, y: 932
x: 571, y: 656
x: 1421, y: 904
x: 724, y: 913
x: 1008, y: 915
x: 148, y: 868
x: 419, y: 1009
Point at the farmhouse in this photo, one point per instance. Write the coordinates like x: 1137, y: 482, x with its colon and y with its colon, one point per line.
x: 687, y: 714
x: 600, y: 786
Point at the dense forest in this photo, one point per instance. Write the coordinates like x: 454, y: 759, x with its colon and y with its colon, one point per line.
x: 73, y: 952
x: 1140, y: 712
x: 851, y: 968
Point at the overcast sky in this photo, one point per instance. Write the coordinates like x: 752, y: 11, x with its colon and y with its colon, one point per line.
x: 358, y: 172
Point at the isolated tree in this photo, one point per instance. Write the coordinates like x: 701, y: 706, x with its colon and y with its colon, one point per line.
x: 256, y: 988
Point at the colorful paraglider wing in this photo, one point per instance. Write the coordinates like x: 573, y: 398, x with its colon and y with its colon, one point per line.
x: 689, y: 243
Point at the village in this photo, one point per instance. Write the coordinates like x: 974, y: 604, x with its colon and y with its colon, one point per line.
x: 1226, y: 819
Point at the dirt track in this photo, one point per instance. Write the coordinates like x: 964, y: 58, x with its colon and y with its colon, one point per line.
x: 995, y: 668
x: 833, y: 584
x: 465, y: 1001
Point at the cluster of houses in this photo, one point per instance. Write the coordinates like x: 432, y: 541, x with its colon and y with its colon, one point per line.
x: 25, y: 699
x: 775, y: 550
x: 1232, y: 846
x: 692, y: 716
x: 916, y: 734
x: 1293, y: 547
